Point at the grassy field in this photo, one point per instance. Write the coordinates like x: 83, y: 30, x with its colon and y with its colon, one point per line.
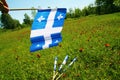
x: 95, y: 40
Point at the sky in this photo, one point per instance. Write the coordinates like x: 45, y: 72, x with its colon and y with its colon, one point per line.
x: 44, y: 4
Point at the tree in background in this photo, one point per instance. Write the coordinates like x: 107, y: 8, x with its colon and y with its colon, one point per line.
x: 8, y: 22
x: 27, y: 20
x: 70, y: 14
x: 77, y: 13
x: 49, y: 7
x: 105, y: 6
x: 0, y: 23
x: 85, y: 11
x: 117, y: 3
x: 91, y: 9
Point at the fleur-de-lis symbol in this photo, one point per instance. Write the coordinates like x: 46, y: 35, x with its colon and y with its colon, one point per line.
x: 41, y: 18
x: 60, y: 16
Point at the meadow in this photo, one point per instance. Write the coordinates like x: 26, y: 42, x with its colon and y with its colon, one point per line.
x: 94, y: 40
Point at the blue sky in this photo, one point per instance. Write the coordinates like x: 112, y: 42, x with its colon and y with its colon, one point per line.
x: 19, y: 15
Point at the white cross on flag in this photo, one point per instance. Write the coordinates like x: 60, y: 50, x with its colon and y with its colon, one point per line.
x: 46, y: 28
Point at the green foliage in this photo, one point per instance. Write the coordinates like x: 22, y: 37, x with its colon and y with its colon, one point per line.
x: 85, y: 11
x: 27, y: 22
x: 95, y: 40
x: 100, y: 7
x: 91, y: 9
x: 105, y: 6
x: 117, y: 3
x: 70, y: 14
x: 8, y: 22
x: 77, y: 12
x: 27, y: 19
x: 25, y: 25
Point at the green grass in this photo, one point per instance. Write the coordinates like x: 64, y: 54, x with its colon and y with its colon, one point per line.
x: 84, y: 37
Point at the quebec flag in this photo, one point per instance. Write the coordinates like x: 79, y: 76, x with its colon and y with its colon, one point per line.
x: 46, y: 28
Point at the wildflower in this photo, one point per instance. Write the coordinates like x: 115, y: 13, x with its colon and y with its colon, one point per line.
x: 81, y: 49
x: 60, y: 45
x: 77, y: 75
x: 38, y: 55
x: 107, y: 45
x: 64, y: 75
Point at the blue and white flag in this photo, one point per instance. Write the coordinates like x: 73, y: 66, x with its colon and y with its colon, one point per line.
x: 46, y: 28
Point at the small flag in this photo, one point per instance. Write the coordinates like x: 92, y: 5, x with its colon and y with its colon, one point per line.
x: 55, y: 67
x: 55, y: 63
x: 63, y: 63
x: 46, y: 28
x: 60, y: 72
x: 70, y: 64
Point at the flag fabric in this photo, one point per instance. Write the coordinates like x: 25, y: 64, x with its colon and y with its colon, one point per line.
x: 46, y: 28
x: 63, y: 63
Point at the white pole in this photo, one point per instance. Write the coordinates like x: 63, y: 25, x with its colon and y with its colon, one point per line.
x: 19, y: 9
x: 55, y: 66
